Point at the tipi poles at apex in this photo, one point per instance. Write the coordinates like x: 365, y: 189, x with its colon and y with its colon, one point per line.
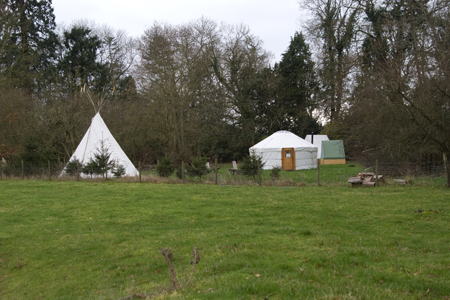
x: 101, y: 101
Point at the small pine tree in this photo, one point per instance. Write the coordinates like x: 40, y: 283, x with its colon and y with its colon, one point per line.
x: 73, y: 167
x: 250, y: 165
x: 275, y: 173
x: 198, y: 168
x: 90, y: 168
x: 103, y: 160
x: 119, y: 170
x: 101, y: 163
x: 165, y: 168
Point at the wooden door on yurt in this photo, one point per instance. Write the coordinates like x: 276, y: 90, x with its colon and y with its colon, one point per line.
x: 288, y: 159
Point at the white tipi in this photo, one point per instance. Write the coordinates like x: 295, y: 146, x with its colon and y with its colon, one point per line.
x: 91, y: 143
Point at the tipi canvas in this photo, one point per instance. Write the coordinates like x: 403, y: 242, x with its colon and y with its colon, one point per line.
x: 286, y: 150
x: 91, y: 144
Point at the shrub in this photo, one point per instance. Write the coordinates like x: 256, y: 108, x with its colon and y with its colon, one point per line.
x: 165, y: 167
x: 102, y: 160
x: 101, y: 163
x: 90, y: 168
x: 275, y: 173
x: 198, y: 168
x: 119, y: 170
x: 250, y: 165
x: 73, y: 167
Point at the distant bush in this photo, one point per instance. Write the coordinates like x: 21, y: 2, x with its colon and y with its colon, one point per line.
x: 101, y: 163
x: 250, y: 165
x: 165, y: 168
x: 275, y: 173
x: 73, y: 167
x: 179, y: 172
x: 198, y: 168
x: 118, y: 170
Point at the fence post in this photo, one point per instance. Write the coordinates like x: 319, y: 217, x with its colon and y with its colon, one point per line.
x: 259, y: 173
x: 376, y: 172
x: 215, y: 169
x: 447, y: 175
x: 139, y: 170
x: 22, y: 170
x: 49, y: 171
x: 318, y: 172
x: 1, y: 169
x: 182, y: 171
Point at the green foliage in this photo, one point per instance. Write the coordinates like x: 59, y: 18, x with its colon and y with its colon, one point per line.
x: 74, y: 167
x: 102, y: 160
x: 297, y: 86
x: 79, y: 65
x: 165, y: 168
x: 179, y: 172
x: 101, y: 164
x: 275, y: 173
x: 118, y: 170
x: 27, y: 41
x: 91, y: 168
x: 35, y: 157
x: 251, y: 165
x: 198, y: 168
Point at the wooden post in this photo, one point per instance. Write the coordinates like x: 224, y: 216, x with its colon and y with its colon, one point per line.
x: 139, y: 170
x: 182, y: 171
x: 376, y: 172
x: 22, y: 170
x: 318, y: 172
x: 77, y: 176
x: 1, y: 169
x: 49, y: 171
x: 447, y: 171
x: 259, y: 174
x: 215, y: 170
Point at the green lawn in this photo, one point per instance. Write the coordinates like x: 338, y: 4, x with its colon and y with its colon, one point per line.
x: 101, y: 240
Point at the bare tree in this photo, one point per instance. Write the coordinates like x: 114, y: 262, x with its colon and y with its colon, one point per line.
x: 237, y: 66
x: 334, y: 26
x: 177, y: 85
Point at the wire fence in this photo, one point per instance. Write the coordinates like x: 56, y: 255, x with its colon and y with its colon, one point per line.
x: 418, y: 168
x: 326, y: 174
x: 25, y: 170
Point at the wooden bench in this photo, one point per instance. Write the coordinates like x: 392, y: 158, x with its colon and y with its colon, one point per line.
x: 235, y: 170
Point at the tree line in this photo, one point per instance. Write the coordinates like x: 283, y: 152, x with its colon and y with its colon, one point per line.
x: 374, y: 73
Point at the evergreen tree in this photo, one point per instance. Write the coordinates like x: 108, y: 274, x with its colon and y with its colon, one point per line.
x: 79, y: 64
x: 27, y: 41
x: 297, y: 88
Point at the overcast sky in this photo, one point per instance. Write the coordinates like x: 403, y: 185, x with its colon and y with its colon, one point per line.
x: 273, y: 21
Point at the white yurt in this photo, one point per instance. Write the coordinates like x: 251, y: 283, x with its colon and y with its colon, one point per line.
x: 286, y: 150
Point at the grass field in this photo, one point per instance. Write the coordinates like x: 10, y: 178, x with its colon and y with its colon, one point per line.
x: 101, y: 240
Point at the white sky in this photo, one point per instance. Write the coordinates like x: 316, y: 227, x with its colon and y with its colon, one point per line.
x: 273, y: 21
